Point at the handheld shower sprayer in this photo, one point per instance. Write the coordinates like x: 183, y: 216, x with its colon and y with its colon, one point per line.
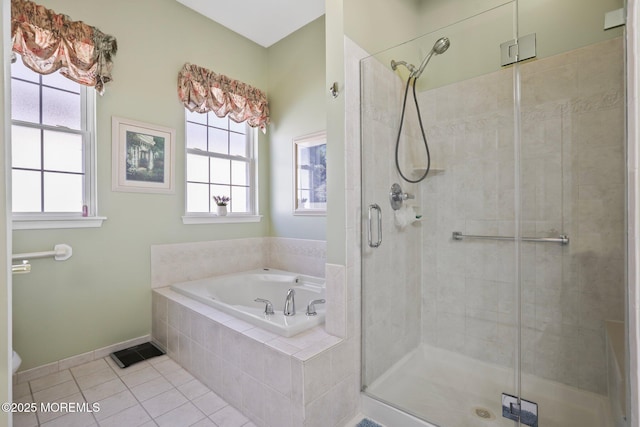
x: 439, y: 47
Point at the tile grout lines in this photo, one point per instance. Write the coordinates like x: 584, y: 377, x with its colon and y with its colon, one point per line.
x: 160, y: 388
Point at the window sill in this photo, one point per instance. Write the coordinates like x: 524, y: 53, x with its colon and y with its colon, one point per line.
x: 42, y: 223
x: 215, y: 219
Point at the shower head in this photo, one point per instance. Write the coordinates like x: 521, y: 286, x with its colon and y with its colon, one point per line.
x: 439, y: 47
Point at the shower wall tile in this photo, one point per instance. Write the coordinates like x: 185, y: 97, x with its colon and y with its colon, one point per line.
x: 451, y: 292
x: 395, y: 295
x: 571, y: 182
x: 480, y: 329
x: 556, y: 82
x: 600, y: 67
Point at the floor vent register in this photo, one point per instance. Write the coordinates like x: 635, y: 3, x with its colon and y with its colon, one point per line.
x: 135, y: 354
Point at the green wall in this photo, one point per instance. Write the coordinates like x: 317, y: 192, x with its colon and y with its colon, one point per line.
x: 296, y: 103
x: 561, y: 25
x: 336, y: 182
x: 478, y: 28
x: 406, y: 30
x: 376, y: 25
x: 565, y: 25
x: 101, y: 295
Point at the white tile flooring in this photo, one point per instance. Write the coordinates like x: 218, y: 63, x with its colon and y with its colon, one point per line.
x: 156, y: 392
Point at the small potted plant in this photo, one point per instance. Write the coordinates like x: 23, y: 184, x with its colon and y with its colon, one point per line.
x: 221, y: 202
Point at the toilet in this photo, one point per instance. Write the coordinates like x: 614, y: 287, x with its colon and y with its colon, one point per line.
x: 16, y: 361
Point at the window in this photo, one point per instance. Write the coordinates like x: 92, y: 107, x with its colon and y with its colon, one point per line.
x: 220, y: 159
x: 310, y: 183
x: 52, y: 144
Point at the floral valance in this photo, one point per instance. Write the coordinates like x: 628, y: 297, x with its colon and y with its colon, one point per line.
x: 49, y: 42
x: 202, y: 90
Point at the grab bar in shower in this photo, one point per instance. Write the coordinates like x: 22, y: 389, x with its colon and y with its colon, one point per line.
x: 562, y: 239
x: 60, y: 252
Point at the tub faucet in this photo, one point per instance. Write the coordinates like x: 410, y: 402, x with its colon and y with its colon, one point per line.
x: 311, y: 307
x: 290, y: 303
x: 268, y: 308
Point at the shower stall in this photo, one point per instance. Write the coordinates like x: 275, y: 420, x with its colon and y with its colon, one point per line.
x: 493, y: 291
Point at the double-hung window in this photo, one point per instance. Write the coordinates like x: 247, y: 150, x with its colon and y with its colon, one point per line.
x: 53, y: 151
x: 220, y: 161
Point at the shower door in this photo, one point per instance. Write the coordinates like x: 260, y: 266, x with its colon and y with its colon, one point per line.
x: 440, y: 334
x: 572, y: 182
x: 493, y: 295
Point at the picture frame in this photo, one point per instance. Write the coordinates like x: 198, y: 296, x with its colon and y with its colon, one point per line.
x: 310, y: 174
x: 143, y: 157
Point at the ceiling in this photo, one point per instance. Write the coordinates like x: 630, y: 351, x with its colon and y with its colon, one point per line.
x: 262, y: 21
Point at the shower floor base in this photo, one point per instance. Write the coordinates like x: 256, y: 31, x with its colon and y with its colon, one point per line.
x: 451, y: 390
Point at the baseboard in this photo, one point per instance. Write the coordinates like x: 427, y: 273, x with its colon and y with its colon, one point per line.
x: 70, y: 362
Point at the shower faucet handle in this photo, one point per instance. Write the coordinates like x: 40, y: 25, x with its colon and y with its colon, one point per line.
x: 397, y: 196
x: 311, y: 307
x: 268, y: 308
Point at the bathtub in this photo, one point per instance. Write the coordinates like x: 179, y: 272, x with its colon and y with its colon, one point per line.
x: 234, y: 294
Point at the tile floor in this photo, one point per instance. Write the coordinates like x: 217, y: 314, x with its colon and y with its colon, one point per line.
x: 156, y: 392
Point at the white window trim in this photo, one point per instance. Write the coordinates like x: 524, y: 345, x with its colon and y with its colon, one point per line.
x: 214, y: 219
x: 48, y: 220
x: 190, y: 218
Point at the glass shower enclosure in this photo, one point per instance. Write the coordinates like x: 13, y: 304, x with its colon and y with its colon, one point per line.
x: 493, y: 291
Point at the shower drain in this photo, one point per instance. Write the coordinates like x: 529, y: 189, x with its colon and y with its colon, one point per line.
x: 483, y: 413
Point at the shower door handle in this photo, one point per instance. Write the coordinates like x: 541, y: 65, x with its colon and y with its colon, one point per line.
x: 374, y: 207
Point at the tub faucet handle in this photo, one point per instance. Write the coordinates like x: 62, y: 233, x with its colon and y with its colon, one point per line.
x: 290, y: 303
x: 311, y: 307
x: 268, y: 308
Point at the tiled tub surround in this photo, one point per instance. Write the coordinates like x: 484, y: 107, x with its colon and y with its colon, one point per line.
x: 311, y: 379
x: 306, y: 380
x: 180, y: 262
x: 235, y: 294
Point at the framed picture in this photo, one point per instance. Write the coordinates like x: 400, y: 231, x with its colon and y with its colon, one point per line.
x: 143, y: 157
x: 310, y: 174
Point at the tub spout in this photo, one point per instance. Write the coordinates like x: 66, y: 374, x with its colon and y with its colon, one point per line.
x: 290, y: 303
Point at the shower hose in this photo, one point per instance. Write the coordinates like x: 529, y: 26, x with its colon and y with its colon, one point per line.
x: 411, y: 81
